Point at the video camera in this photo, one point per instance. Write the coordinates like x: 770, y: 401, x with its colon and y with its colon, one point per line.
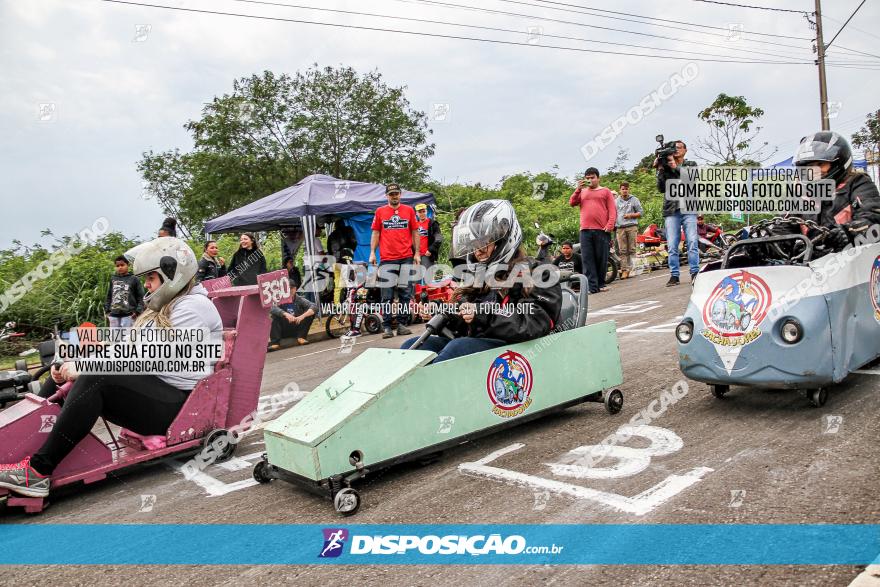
x: 664, y: 151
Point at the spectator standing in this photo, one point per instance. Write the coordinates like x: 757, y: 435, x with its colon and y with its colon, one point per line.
x: 430, y: 238
x: 598, y: 216
x: 396, y: 236
x: 248, y: 261
x: 211, y: 265
x: 674, y: 218
x: 125, y: 296
x: 629, y: 210
x: 291, y: 320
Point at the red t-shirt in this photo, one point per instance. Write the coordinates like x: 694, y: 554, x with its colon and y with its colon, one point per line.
x: 424, y: 229
x: 395, y: 231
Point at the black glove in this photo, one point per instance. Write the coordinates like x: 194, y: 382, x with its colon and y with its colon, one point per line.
x: 837, y: 239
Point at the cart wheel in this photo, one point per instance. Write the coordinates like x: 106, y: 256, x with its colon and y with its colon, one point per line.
x: 614, y: 401
x: 347, y: 501
x: 261, y: 472
x: 21, y: 365
x: 719, y: 390
x: 224, y: 449
x: 372, y: 324
x: 818, y: 397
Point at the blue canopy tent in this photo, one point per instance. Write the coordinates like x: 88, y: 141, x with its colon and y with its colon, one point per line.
x: 312, y: 197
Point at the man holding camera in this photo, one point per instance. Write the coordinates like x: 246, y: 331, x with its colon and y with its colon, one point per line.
x: 669, y: 161
x: 598, y: 216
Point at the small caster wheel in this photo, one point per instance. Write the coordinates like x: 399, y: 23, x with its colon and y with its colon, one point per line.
x: 347, y: 501
x: 614, y: 401
x: 719, y: 390
x: 261, y: 472
x: 818, y: 397
x: 221, y: 446
x: 21, y: 365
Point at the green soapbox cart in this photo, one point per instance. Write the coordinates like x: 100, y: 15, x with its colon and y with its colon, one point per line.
x: 389, y: 406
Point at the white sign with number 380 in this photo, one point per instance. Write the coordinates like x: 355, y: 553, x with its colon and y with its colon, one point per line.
x: 274, y: 288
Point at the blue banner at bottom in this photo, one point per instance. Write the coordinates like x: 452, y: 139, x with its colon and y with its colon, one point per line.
x: 604, y: 544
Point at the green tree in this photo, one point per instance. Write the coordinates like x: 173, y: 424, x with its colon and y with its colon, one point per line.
x: 733, y: 132
x: 868, y: 137
x: 273, y: 130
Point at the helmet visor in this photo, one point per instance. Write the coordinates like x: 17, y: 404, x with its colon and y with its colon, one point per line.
x: 477, y: 233
x: 810, y: 152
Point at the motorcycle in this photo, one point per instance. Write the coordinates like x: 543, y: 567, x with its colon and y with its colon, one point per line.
x: 19, y: 380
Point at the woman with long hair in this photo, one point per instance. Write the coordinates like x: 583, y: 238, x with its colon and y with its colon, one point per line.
x: 211, y: 265
x: 145, y: 404
x: 248, y: 261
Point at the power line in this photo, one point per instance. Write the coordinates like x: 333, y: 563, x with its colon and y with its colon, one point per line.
x: 443, y: 36
x: 753, y: 7
x: 651, y: 18
x: 844, y: 24
x: 473, y: 26
x: 852, y: 27
x: 575, y: 23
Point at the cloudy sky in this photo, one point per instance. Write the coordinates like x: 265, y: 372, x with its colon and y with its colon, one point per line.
x: 87, y: 85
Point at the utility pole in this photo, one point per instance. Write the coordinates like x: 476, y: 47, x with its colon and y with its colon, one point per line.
x: 820, y: 61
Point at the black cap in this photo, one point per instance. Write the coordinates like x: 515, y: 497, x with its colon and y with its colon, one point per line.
x: 391, y: 188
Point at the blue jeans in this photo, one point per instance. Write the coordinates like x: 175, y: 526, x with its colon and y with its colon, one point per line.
x: 673, y: 238
x: 453, y: 348
x: 404, y: 289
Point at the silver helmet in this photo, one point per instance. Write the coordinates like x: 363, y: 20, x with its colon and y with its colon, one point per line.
x: 489, y: 221
x: 172, y: 259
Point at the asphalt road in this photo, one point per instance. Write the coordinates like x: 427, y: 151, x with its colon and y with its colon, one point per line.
x: 757, y: 456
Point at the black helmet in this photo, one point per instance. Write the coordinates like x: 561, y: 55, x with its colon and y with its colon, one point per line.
x: 827, y: 146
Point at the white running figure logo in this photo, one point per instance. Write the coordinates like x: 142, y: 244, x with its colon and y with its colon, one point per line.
x: 334, y: 542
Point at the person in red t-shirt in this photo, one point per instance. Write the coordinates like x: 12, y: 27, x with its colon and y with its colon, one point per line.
x: 396, y: 235
x: 598, y: 216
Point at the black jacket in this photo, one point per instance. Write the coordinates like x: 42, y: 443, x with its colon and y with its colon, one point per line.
x: 246, y: 265
x: 857, y: 197
x: 524, y: 317
x: 209, y: 269
x: 435, y: 238
x: 664, y: 174
x: 125, y: 296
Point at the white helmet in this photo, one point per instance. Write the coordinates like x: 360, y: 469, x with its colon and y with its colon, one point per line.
x: 489, y: 221
x: 172, y: 259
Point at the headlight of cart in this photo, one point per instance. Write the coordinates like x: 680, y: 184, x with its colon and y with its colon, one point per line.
x: 791, y: 331
x: 684, y: 331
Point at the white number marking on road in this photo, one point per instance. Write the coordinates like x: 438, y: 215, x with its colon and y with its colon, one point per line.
x: 638, y: 505
x: 618, y: 461
x: 629, y: 308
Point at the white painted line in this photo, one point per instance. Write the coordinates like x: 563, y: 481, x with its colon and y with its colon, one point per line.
x: 638, y: 505
x: 336, y: 348
x: 214, y: 487
x: 868, y: 371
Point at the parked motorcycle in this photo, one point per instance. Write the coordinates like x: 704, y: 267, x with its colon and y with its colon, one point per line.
x: 547, y: 251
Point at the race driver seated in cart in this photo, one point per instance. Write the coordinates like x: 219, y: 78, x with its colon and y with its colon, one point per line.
x: 489, y: 239
x: 856, y: 205
x: 145, y: 404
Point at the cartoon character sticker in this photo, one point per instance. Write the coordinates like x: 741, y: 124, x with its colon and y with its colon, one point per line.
x: 509, y: 384
x: 875, y: 288
x: 735, y: 309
